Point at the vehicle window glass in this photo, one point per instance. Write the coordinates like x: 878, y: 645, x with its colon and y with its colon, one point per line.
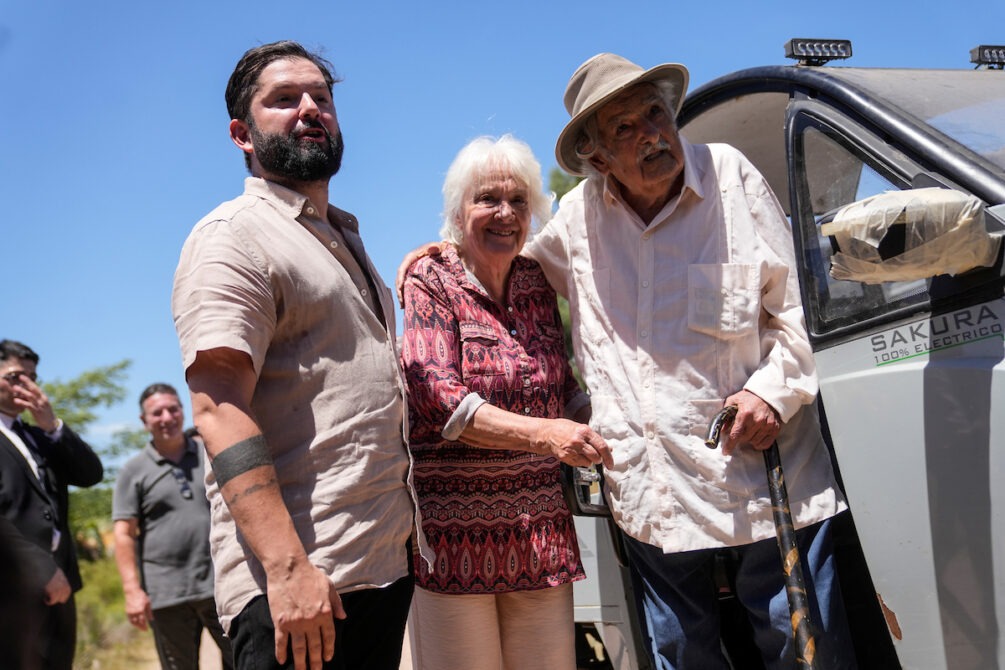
x: 835, y: 174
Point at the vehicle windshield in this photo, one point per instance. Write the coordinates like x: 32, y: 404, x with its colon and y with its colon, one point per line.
x: 966, y: 105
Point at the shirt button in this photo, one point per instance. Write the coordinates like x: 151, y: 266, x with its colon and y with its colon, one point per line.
x: 362, y: 292
x: 310, y: 210
x: 644, y: 333
x: 526, y: 382
x: 513, y: 332
x: 510, y: 308
x: 333, y: 244
x: 645, y: 284
x: 526, y: 410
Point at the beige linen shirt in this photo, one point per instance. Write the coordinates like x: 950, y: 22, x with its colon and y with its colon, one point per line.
x: 671, y: 318
x: 267, y: 275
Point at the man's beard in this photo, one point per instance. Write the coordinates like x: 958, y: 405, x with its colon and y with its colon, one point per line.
x: 297, y: 160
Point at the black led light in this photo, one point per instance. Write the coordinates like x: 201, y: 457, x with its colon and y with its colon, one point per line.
x: 989, y: 55
x: 817, y: 52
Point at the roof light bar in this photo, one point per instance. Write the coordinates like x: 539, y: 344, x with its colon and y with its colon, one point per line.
x: 989, y: 55
x: 817, y: 52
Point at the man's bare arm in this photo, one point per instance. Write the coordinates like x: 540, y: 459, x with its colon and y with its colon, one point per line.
x: 138, y: 607
x: 301, y: 598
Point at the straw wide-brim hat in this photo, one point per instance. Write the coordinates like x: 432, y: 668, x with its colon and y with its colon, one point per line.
x: 596, y: 82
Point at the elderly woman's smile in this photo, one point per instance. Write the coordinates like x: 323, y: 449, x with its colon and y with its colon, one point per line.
x: 494, y: 221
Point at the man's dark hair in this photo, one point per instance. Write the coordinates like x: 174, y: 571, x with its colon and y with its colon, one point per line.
x: 244, y: 79
x: 158, y: 387
x: 11, y: 349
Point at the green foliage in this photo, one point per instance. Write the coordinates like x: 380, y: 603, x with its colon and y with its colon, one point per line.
x: 75, y: 400
x: 90, y: 518
x: 101, y: 611
x: 125, y: 441
x: 561, y: 183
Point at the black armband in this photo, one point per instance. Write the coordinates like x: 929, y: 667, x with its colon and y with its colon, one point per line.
x: 239, y: 458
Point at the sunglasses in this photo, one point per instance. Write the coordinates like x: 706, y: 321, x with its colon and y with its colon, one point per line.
x: 183, y: 485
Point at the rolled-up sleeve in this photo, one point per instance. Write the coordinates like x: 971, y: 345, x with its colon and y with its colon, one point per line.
x: 222, y: 295
x: 431, y: 351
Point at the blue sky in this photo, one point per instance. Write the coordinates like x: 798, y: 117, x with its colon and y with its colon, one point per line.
x: 113, y: 140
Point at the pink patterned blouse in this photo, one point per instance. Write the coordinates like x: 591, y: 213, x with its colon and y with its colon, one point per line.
x: 496, y: 519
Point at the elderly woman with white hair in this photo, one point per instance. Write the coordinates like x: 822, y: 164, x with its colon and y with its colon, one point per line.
x: 489, y: 384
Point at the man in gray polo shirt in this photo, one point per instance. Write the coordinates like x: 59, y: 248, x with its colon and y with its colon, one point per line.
x: 161, y: 517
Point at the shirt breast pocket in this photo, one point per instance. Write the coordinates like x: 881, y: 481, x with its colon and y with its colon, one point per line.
x: 724, y: 300
x: 480, y: 350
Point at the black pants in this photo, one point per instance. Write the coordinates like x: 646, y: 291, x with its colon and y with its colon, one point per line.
x: 369, y: 638
x: 57, y: 639
x: 178, y: 632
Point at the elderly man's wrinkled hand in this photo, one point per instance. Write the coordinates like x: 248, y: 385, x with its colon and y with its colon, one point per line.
x: 303, y: 604
x: 756, y: 423
x: 575, y: 444
x: 429, y: 249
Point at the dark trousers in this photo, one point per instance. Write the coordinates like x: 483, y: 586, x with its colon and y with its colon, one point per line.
x: 369, y: 638
x: 178, y: 632
x: 57, y: 640
x: 676, y: 598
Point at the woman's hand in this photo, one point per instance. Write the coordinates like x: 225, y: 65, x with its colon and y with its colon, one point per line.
x: 572, y: 443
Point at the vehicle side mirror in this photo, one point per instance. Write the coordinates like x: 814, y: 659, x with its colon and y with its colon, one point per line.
x: 912, y: 234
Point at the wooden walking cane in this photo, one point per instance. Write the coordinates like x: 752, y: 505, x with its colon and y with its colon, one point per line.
x: 795, y: 585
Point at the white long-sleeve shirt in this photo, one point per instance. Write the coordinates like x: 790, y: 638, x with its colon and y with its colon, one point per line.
x: 671, y: 318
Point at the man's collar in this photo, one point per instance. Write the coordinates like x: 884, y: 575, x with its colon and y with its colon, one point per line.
x: 292, y: 202
x: 158, y: 457
x: 296, y: 204
x: 692, y: 176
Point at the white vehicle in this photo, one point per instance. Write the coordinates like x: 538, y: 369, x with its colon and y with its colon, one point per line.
x: 904, y: 296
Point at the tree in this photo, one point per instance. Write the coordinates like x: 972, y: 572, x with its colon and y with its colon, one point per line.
x: 75, y: 401
x: 561, y: 183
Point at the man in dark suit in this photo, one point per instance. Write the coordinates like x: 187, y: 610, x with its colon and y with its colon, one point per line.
x: 37, y: 463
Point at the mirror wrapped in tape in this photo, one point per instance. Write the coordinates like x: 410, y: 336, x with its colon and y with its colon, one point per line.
x: 911, y: 234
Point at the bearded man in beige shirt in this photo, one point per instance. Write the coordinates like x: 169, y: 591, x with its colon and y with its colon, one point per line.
x: 288, y: 340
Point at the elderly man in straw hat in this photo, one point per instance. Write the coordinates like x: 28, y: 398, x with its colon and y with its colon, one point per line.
x: 678, y: 264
